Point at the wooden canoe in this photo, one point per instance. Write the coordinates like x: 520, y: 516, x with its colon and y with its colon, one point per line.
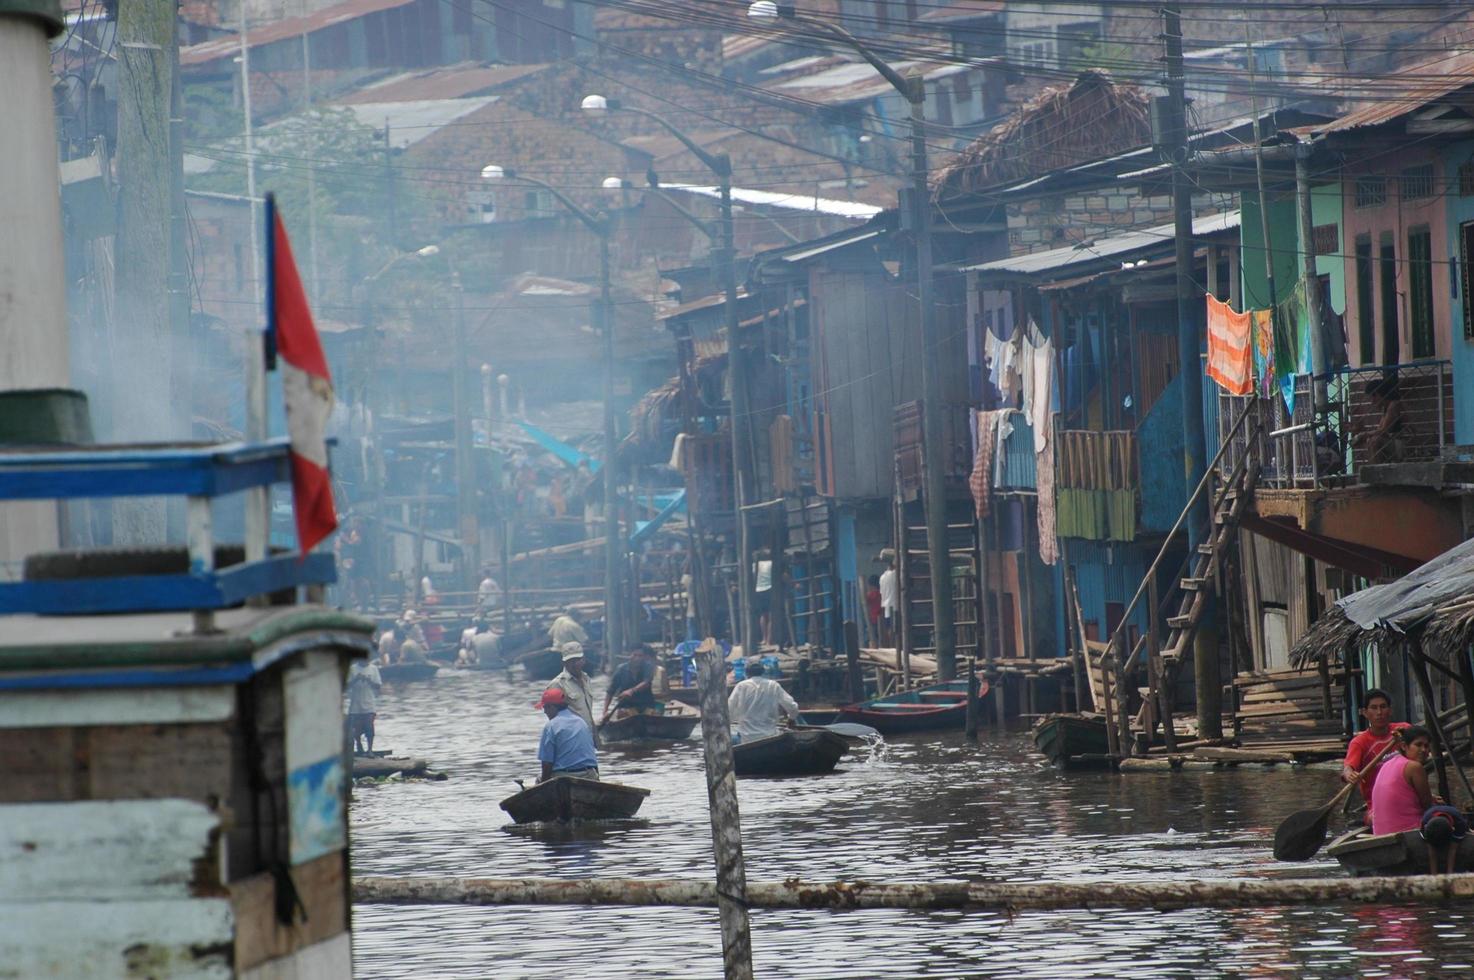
x: 1073, y: 741
x: 565, y: 799
x: 674, y: 725
x: 399, y: 673
x: 1361, y: 853
x: 796, y: 753
x: 929, y: 709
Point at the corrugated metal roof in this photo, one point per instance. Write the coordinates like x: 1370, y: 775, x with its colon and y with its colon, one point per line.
x: 831, y: 246
x: 661, y: 146
x: 857, y: 81
x: 1117, y: 247
x: 960, y: 10
x: 281, y: 30
x: 410, y: 122
x: 454, y: 82
x: 789, y: 202
x: 1415, y: 87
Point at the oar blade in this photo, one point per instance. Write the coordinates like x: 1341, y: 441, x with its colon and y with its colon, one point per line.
x: 1301, y: 834
x: 852, y: 730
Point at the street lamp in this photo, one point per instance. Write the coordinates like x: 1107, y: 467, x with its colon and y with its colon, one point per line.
x: 933, y: 454
x: 722, y: 257
x: 599, y: 225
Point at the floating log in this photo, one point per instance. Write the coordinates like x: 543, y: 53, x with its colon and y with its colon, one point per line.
x: 378, y: 767
x: 1000, y: 896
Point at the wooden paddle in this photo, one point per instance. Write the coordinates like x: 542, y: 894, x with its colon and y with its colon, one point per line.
x: 1303, y: 832
x: 845, y: 728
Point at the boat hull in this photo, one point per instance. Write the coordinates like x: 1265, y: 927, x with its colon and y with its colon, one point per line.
x: 399, y: 673
x: 672, y: 726
x: 941, y: 707
x: 798, y: 753
x: 1363, y: 853
x: 567, y: 799
x: 1072, y: 740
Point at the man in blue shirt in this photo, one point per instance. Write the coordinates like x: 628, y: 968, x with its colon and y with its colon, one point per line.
x: 567, y: 745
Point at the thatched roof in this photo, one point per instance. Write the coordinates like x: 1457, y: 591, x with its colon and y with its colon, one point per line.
x: 1062, y: 126
x: 663, y: 402
x: 1434, y: 602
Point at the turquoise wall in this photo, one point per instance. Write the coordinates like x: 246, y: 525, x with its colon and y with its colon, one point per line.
x: 1460, y: 210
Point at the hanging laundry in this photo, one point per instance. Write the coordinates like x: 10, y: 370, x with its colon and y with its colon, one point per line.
x: 1230, y: 354
x: 1036, y: 371
x: 1002, y: 352
x: 1264, y: 351
x: 987, y: 443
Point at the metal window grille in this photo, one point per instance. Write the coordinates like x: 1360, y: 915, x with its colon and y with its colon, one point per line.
x: 1466, y: 179
x: 1417, y: 182
x: 1370, y: 192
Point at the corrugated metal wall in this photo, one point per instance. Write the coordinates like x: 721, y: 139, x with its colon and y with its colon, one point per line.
x: 1163, y: 482
x: 1017, y: 470
x: 1109, y: 574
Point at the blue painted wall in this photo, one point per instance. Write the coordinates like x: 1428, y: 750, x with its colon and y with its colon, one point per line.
x: 1109, y: 574
x: 1159, y: 444
x: 1460, y: 210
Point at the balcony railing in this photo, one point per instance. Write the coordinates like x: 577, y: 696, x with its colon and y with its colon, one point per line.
x: 1395, y: 413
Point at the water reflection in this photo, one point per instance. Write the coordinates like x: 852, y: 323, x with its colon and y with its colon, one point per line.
x: 923, y: 808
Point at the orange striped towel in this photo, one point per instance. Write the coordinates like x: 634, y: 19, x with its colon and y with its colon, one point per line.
x: 1230, y: 350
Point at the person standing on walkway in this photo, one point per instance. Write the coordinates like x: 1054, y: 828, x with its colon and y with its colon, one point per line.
x: 574, y: 682
x: 364, y: 684
x: 890, y: 594
x: 567, y: 744
x: 756, y: 704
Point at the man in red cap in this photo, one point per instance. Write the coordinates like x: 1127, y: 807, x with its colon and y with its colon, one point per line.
x: 567, y: 745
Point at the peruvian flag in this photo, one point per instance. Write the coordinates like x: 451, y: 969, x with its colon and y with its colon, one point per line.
x: 305, y: 382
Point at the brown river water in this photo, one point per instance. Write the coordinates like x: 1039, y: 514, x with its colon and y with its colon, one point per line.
x: 920, y: 808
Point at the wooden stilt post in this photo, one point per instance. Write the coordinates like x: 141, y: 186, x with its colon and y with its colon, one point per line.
x: 854, y: 682
x: 1442, y: 742
x: 971, y: 728
x: 726, y: 825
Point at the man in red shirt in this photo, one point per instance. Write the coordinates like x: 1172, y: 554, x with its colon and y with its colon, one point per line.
x: 1381, y: 731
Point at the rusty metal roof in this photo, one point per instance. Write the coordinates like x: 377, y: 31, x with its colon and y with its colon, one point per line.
x: 856, y: 81
x: 1412, y: 88
x: 960, y: 10
x: 282, y: 30
x: 452, y: 82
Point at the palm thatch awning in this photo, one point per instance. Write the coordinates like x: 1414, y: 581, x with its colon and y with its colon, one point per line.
x: 1062, y: 126
x: 662, y: 403
x: 1434, y: 602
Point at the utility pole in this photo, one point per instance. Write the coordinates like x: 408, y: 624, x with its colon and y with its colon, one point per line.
x: 146, y: 34
x: 1311, y: 283
x: 1190, y: 371
x: 613, y: 593
x: 466, y: 516
x: 33, y: 327
x: 934, y: 450
x: 743, y: 472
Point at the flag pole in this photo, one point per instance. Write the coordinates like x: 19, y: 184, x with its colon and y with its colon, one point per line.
x: 258, y: 352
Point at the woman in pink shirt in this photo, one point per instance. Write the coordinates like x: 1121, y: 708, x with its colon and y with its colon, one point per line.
x: 1401, y: 793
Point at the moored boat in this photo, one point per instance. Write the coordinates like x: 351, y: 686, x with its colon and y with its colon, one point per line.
x: 399, y: 673
x: 808, y: 752
x: 564, y: 799
x: 675, y: 724
x: 1361, y: 853
x: 1073, y: 741
x: 928, y: 709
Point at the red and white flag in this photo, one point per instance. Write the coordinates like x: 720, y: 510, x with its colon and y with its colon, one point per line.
x: 307, y: 385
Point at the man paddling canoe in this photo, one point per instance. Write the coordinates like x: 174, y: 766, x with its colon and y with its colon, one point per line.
x: 632, y: 688
x: 756, y: 704
x: 1381, y: 731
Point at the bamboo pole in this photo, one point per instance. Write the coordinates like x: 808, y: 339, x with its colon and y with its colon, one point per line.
x: 730, y: 889
x: 1007, y: 896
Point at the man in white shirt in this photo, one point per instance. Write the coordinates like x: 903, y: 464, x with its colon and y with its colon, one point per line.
x: 889, y: 599
x: 756, y: 703
x: 488, y: 593
x: 565, y: 630
x: 364, y: 683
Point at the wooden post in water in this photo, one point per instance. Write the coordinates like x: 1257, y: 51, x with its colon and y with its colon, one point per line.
x: 973, y: 708
x: 855, y: 682
x: 726, y: 826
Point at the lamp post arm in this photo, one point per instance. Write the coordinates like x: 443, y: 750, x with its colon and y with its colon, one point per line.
x: 718, y: 163
x: 912, y: 89
x: 595, y: 224
x: 706, y: 229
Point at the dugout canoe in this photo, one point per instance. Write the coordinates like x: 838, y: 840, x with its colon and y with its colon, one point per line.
x: 1361, y: 853
x: 565, y: 799
x: 400, y: 673
x: 1073, y: 741
x: 940, y: 707
x: 675, y: 724
x: 808, y: 752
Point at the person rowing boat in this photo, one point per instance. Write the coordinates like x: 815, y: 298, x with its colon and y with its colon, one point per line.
x: 632, y: 688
